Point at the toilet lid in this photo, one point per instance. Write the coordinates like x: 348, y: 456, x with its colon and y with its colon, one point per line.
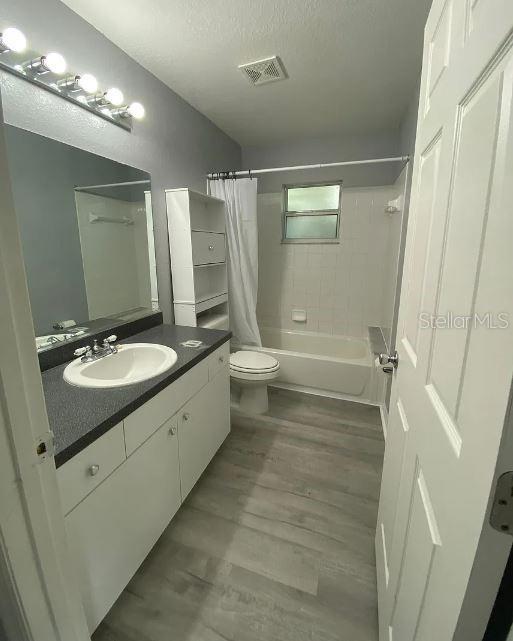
x: 245, y: 361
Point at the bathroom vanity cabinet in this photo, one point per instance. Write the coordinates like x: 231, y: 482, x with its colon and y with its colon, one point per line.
x: 121, y: 492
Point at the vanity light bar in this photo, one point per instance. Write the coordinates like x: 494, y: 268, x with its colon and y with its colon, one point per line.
x: 82, y: 90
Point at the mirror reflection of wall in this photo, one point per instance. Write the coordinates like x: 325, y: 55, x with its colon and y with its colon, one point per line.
x: 87, y: 235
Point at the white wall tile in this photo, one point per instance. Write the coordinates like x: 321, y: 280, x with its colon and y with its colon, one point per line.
x: 342, y: 286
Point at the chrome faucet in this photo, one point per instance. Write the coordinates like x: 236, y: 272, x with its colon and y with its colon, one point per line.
x: 96, y: 352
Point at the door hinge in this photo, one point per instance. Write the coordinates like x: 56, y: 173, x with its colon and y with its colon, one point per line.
x: 501, y: 516
x: 44, y: 446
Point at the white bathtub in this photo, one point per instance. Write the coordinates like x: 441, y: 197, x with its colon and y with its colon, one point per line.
x: 321, y: 361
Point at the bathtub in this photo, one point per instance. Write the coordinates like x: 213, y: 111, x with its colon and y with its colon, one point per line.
x: 323, y: 362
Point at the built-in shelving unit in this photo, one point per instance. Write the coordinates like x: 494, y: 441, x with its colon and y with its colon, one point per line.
x: 197, y: 242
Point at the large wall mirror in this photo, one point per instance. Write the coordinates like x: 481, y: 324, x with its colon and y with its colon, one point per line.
x: 87, y: 237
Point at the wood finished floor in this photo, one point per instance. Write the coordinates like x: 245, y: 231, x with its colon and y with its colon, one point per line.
x: 275, y: 542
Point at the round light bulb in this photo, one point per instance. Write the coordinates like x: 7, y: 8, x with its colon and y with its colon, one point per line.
x: 114, y: 96
x: 55, y: 63
x: 88, y: 83
x: 14, y: 40
x: 136, y: 110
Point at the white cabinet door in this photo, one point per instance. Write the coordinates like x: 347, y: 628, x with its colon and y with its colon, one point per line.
x: 113, y: 529
x: 203, y: 424
x: 149, y: 417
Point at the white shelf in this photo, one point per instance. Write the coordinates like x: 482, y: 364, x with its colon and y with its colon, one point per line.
x: 196, y: 195
x: 214, y: 321
x: 201, y: 299
x: 223, y: 264
x: 208, y: 303
x: 211, y: 296
x: 196, y: 227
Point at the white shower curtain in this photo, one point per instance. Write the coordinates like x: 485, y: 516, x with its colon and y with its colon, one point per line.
x: 242, y: 238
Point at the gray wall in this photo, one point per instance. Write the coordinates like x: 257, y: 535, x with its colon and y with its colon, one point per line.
x: 321, y: 150
x: 175, y: 143
x: 408, y: 130
x: 45, y: 210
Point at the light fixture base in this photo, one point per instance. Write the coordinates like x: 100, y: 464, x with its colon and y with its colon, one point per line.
x: 40, y: 81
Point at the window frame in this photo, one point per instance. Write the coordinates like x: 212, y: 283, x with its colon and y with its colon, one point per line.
x: 321, y: 212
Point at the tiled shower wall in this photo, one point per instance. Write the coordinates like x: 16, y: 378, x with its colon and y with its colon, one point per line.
x: 343, y: 287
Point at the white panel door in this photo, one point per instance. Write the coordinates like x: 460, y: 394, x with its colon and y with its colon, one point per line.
x: 450, y: 394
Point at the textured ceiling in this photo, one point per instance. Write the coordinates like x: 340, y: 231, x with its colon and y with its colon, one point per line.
x: 352, y: 64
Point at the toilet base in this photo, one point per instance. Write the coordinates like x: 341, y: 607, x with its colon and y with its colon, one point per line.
x: 254, y: 399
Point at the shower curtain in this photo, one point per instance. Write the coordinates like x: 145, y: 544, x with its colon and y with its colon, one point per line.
x: 242, y: 238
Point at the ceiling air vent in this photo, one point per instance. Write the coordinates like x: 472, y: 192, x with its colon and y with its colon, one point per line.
x: 262, y: 71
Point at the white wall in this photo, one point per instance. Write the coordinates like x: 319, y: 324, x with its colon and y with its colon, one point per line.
x: 342, y: 286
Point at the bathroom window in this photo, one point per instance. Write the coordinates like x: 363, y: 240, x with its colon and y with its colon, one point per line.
x: 311, y: 213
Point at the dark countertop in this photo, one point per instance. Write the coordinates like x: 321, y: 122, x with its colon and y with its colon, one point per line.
x: 80, y: 415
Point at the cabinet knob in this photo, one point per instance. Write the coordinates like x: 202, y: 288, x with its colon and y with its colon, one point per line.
x: 211, y: 247
x: 221, y: 359
x: 186, y: 416
x: 172, y: 431
x: 94, y: 469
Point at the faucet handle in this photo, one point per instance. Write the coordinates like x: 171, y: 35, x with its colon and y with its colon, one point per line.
x: 108, y: 344
x: 82, y: 350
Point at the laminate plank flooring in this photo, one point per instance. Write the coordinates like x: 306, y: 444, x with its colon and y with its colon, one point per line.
x: 276, y: 540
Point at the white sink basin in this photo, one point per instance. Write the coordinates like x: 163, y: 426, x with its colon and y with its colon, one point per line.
x: 133, y: 363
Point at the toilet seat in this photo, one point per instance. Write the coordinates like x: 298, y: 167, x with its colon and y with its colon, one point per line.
x: 247, y: 362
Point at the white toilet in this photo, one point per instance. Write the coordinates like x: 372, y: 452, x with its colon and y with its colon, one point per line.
x: 252, y: 371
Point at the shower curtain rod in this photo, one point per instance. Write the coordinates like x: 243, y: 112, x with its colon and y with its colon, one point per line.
x: 248, y: 173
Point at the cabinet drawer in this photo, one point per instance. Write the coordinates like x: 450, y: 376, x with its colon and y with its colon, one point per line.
x: 218, y: 360
x: 85, y: 471
x: 141, y: 424
x: 208, y: 247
